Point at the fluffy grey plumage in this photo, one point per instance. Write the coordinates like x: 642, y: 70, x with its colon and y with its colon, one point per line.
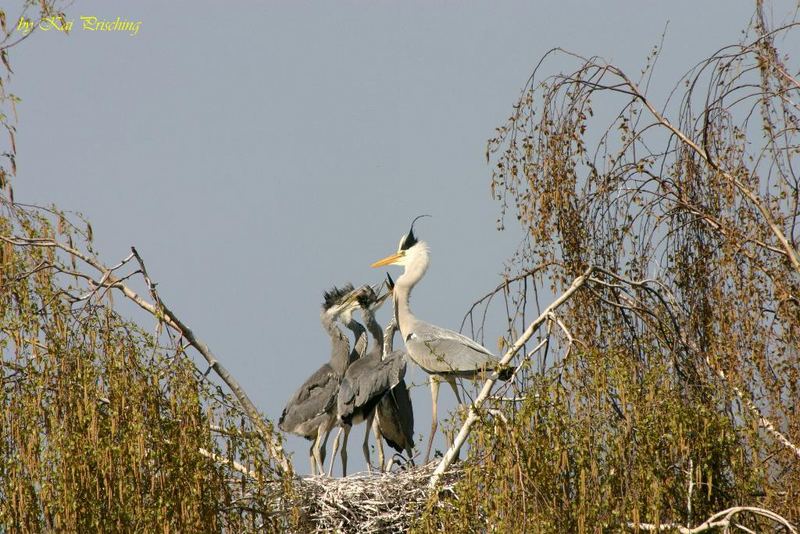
x: 369, y: 379
x: 366, y: 382
x: 311, y: 404
x: 395, y: 413
x: 311, y: 411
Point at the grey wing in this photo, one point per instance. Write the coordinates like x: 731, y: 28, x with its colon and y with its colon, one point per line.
x: 396, y: 418
x: 346, y: 399
x: 396, y: 362
x: 361, y: 382
x: 438, y: 350
x: 316, y: 396
x: 366, y: 381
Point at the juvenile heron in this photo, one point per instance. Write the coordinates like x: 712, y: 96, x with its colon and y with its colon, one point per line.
x: 311, y: 411
x: 367, y: 380
x: 394, y: 417
x: 360, y: 344
x: 443, y: 354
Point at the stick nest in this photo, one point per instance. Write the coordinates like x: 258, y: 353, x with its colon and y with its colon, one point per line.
x: 366, y: 503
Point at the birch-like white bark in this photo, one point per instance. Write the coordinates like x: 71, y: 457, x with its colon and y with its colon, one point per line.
x: 476, y: 405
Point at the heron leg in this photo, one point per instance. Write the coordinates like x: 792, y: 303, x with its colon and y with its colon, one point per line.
x: 376, y: 429
x: 434, y: 421
x: 315, y: 451
x: 365, y: 445
x: 452, y: 381
x: 334, y: 450
x: 322, y: 451
x: 346, y: 435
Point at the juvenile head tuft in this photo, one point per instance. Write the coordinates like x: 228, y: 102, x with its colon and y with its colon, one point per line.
x: 335, y: 295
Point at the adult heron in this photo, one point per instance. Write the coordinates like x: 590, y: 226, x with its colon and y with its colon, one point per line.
x: 311, y: 411
x: 368, y: 379
x: 442, y: 353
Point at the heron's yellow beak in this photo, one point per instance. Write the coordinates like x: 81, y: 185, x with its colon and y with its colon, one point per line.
x: 388, y: 260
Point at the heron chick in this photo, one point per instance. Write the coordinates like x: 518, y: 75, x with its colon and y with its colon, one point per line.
x: 394, y: 417
x: 311, y: 411
x: 368, y: 379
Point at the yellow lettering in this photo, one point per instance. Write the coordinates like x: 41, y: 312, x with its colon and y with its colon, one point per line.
x: 55, y: 23
x: 24, y: 25
x: 93, y: 24
x: 89, y: 23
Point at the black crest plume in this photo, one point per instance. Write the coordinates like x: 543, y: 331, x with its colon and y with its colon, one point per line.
x: 389, y: 282
x: 335, y: 295
x: 411, y: 239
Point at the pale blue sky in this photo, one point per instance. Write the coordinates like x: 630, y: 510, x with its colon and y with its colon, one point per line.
x: 256, y: 153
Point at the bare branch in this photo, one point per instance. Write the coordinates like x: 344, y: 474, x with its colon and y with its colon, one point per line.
x: 472, y: 415
x: 719, y: 520
x: 232, y: 464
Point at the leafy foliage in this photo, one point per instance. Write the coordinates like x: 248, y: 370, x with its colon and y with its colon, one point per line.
x: 666, y: 389
x: 105, y: 426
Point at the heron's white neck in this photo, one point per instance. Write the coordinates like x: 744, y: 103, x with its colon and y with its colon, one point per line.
x: 416, y: 265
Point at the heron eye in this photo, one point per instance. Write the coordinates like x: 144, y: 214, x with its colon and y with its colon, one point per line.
x: 409, y: 336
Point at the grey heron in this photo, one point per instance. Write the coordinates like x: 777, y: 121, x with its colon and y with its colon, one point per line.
x: 360, y: 345
x: 394, y: 417
x: 368, y: 380
x: 311, y: 411
x: 442, y: 353
x: 361, y: 383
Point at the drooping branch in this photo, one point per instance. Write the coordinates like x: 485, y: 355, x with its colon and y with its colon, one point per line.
x: 763, y: 421
x: 748, y: 193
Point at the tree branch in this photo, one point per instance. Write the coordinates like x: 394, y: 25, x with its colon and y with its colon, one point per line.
x: 472, y: 416
x: 164, y: 313
x: 719, y: 520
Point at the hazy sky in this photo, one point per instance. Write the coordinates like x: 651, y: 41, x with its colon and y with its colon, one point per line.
x: 256, y: 153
